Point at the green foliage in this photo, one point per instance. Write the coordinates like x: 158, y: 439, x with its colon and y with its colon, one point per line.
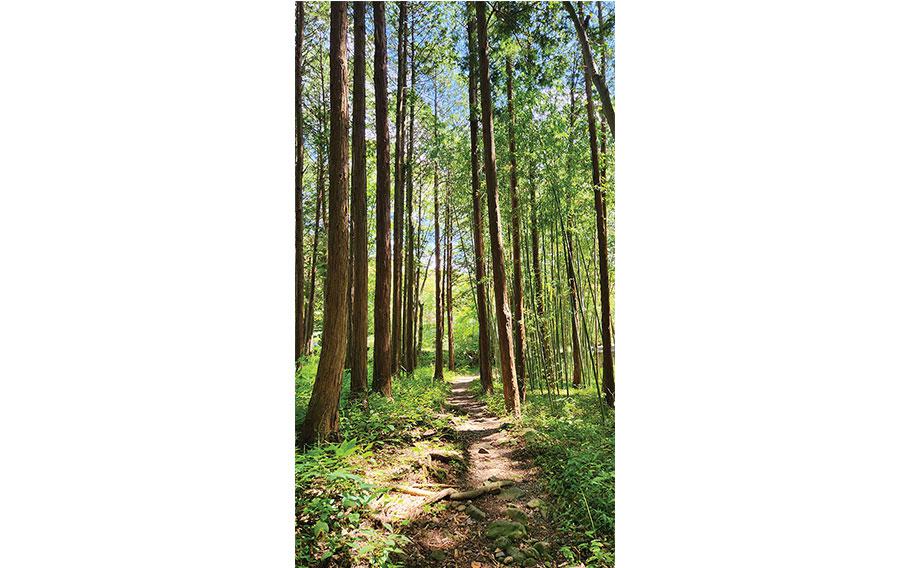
x: 333, y: 496
x: 575, y: 453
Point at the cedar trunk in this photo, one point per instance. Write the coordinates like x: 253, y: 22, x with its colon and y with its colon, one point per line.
x: 382, y: 355
x: 608, y: 383
x: 486, y: 373
x: 358, y: 338
x: 322, y: 413
x: 504, y: 315
x: 399, y: 184
x: 298, y: 187
x: 517, y: 283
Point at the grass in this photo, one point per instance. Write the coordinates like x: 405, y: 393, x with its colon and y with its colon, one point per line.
x: 338, y: 488
x: 575, y: 452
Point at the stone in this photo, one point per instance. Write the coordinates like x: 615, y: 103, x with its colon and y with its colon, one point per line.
x: 460, y: 508
x: 483, y: 451
x: 535, y: 503
x: 506, y: 528
x: 516, y: 554
x: 502, y: 542
x: 542, y: 547
x: 508, y: 560
x: 511, y: 494
x: 517, y: 515
x: 530, y: 562
x: 475, y: 513
x: 500, y: 554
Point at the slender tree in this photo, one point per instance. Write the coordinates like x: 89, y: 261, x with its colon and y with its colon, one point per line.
x: 410, y: 357
x: 399, y: 183
x: 486, y: 374
x: 448, y: 288
x: 504, y: 315
x: 382, y: 352
x: 321, y: 419
x: 437, y: 362
x: 358, y: 338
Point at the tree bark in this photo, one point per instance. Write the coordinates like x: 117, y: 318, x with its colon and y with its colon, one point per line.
x: 538, y: 280
x: 486, y: 374
x: 504, y: 315
x: 322, y: 413
x: 517, y: 283
x: 298, y: 187
x: 359, y: 207
x: 608, y: 383
x: 451, y: 337
x: 382, y: 352
x: 598, y: 79
x: 410, y: 357
x: 399, y: 184
x: 309, y: 314
x: 437, y: 360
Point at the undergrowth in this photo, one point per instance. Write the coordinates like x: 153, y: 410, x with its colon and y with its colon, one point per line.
x: 333, y: 497
x: 575, y: 452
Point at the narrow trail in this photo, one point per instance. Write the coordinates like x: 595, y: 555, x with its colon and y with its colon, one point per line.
x: 485, y: 532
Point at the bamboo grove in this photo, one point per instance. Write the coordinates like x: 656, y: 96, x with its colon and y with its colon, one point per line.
x: 453, y: 197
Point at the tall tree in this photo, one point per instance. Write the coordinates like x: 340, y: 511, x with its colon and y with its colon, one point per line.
x: 504, y: 315
x: 399, y: 183
x: 321, y: 419
x: 298, y: 184
x: 358, y: 338
x: 437, y: 360
x: 486, y: 374
x: 410, y: 356
x: 448, y: 289
x: 608, y: 383
x: 538, y: 279
x: 382, y: 352
x: 517, y: 286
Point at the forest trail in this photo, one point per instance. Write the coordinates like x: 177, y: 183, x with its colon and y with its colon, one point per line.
x: 507, y: 527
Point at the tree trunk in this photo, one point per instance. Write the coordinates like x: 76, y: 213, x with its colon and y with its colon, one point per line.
x: 486, y: 374
x: 359, y: 207
x: 437, y: 360
x: 309, y: 315
x: 504, y: 315
x: 382, y: 353
x: 298, y: 188
x: 608, y: 383
x: 322, y: 413
x: 399, y: 184
x: 410, y: 357
x: 517, y: 284
x: 598, y: 79
x: 451, y: 337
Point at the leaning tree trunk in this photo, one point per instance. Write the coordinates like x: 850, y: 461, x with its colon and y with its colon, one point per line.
x: 486, y: 373
x: 298, y: 188
x: 504, y: 314
x: 517, y: 283
x: 382, y: 351
x: 608, y: 383
x: 322, y: 413
x: 599, y: 80
x: 358, y: 338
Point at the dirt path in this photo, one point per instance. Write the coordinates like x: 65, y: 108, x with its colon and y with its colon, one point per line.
x: 487, y: 531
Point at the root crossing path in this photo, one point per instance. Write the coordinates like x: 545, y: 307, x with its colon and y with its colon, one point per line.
x: 506, y: 527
